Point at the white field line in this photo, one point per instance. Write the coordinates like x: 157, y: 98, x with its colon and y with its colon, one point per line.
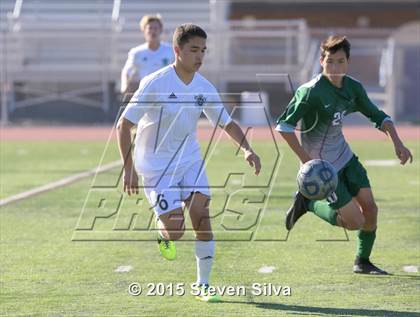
x: 60, y: 183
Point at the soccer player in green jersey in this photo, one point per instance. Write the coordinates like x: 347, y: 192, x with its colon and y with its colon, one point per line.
x: 321, y: 105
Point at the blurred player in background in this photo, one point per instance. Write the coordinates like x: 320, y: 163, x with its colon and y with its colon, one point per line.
x: 321, y: 104
x: 166, y: 109
x: 146, y: 58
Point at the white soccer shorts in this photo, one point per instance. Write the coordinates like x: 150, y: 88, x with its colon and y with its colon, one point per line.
x: 166, y: 191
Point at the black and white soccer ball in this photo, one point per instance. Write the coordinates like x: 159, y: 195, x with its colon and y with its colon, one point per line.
x: 317, y: 179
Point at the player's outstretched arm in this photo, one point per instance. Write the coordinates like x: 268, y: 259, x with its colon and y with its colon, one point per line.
x: 401, y: 151
x: 130, y: 177
x: 294, y: 144
x: 235, y: 132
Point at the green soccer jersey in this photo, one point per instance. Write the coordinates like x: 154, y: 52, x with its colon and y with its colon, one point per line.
x: 321, y: 107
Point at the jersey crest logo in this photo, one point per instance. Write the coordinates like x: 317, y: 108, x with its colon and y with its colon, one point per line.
x: 165, y: 61
x: 352, y: 102
x: 200, y: 100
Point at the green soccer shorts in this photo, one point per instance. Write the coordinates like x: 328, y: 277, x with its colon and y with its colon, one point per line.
x: 351, y: 178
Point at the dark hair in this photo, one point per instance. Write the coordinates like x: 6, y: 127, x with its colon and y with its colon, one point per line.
x: 335, y: 43
x: 185, y: 32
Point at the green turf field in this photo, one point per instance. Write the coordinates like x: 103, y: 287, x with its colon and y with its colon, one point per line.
x: 44, y: 272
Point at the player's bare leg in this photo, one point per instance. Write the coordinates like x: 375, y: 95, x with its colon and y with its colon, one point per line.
x: 369, y: 208
x: 172, y: 224
x: 198, y: 206
x: 350, y: 216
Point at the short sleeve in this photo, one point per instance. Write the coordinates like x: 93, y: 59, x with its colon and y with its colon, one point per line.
x: 369, y: 109
x: 142, y: 99
x: 296, y: 109
x: 214, y: 109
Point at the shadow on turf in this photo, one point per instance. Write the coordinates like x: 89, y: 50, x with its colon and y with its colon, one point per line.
x: 327, y: 311
x: 416, y: 277
x: 390, y: 275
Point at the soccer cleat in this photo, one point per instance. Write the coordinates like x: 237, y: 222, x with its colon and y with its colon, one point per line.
x: 166, y: 247
x: 364, y: 266
x: 204, y: 295
x: 297, y: 210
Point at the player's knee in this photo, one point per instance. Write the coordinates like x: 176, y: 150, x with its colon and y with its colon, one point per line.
x: 370, y: 209
x: 356, y: 223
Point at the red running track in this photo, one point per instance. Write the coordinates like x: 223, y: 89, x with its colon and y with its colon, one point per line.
x: 102, y: 133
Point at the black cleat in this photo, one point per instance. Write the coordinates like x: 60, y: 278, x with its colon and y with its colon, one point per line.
x: 297, y: 210
x: 364, y: 266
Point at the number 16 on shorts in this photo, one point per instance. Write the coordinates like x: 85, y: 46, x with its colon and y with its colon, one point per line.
x: 161, y: 202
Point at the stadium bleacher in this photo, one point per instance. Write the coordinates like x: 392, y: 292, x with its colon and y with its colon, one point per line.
x: 82, y: 46
x: 76, y: 42
x: 73, y: 50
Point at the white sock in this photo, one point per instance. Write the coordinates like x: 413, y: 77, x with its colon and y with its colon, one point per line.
x: 204, y: 253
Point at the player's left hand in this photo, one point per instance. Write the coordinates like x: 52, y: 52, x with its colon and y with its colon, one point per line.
x: 403, y: 154
x: 253, y: 160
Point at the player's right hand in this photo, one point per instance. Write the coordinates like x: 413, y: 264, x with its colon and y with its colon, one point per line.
x: 131, y: 182
x: 253, y: 160
x: 403, y: 154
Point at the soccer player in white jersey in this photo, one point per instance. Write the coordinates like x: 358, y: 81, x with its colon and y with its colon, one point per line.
x: 148, y: 57
x: 166, y: 108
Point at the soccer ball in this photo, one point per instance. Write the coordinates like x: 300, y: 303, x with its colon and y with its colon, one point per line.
x: 317, y: 179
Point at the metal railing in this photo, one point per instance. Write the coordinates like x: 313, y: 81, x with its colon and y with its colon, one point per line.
x: 73, y: 47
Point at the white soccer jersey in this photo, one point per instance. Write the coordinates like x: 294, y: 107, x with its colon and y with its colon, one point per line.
x: 145, y: 61
x: 166, y: 111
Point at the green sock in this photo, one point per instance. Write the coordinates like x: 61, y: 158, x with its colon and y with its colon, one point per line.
x: 323, y: 210
x: 365, y: 243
